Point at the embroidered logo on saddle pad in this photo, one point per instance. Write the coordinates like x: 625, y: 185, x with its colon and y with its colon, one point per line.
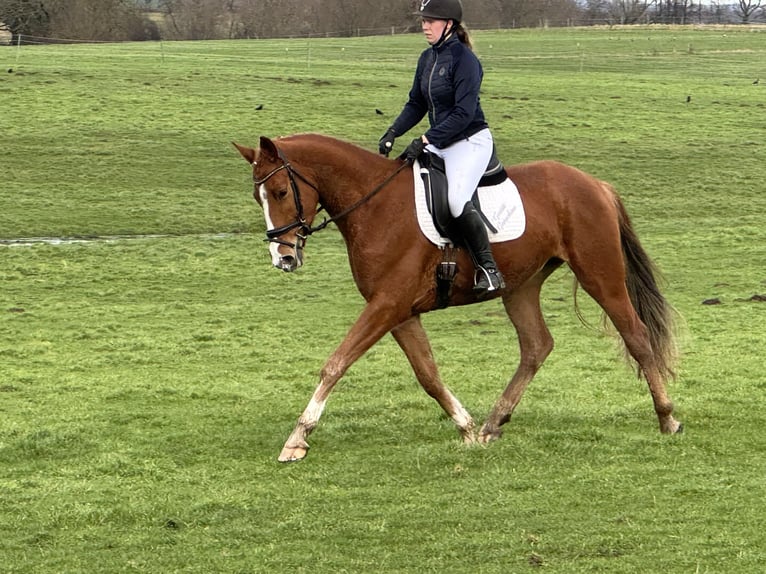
x: 500, y: 205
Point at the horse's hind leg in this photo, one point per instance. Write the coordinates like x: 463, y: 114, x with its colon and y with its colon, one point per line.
x: 413, y: 340
x: 535, y: 344
x: 634, y: 333
x: 611, y: 294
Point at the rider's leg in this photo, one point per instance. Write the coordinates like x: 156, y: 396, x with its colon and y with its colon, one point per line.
x: 471, y: 227
x: 465, y: 162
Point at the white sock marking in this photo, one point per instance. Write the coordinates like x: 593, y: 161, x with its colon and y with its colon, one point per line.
x: 462, y: 418
x: 313, y: 411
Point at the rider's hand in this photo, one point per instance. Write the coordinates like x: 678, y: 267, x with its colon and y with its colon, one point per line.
x: 386, y: 142
x: 414, y: 150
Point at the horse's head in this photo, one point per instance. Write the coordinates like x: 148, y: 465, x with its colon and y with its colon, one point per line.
x: 289, y: 201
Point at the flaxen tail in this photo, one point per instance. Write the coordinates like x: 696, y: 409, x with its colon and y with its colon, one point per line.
x: 652, y: 307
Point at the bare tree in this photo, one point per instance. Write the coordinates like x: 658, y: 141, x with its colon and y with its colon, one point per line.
x: 76, y: 20
x: 483, y: 13
x: 674, y: 11
x: 109, y: 20
x: 355, y: 17
x: 24, y: 17
x: 747, y: 9
x: 718, y: 12
x: 534, y: 13
x: 628, y: 11
x: 194, y: 19
x: 596, y: 12
x: 272, y: 18
x: 279, y: 18
x: 209, y: 19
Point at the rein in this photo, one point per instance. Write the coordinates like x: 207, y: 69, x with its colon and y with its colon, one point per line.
x: 273, y: 235
x: 362, y: 201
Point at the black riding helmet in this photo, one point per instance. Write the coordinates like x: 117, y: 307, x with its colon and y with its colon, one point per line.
x: 441, y: 10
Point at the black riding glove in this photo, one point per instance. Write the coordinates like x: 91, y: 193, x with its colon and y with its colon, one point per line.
x: 414, y: 150
x: 386, y: 142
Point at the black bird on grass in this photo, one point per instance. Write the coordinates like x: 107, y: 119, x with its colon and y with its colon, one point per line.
x: 757, y: 80
x: 688, y: 99
x: 259, y: 107
x: 377, y: 111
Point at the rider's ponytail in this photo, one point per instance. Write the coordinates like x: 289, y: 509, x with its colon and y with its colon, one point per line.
x: 463, y: 35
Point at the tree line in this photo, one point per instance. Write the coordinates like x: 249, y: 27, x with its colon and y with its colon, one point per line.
x: 121, y: 20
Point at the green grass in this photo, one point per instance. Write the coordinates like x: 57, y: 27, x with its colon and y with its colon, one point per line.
x: 147, y: 385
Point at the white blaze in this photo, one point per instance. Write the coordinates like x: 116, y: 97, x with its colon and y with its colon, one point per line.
x: 273, y: 247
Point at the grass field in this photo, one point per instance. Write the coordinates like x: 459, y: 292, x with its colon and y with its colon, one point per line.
x: 147, y: 384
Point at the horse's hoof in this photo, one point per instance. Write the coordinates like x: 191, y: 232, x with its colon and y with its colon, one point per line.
x: 293, y: 454
x: 488, y: 435
x: 469, y: 439
x: 672, y: 427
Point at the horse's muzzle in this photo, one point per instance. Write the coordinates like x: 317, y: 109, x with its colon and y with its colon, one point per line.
x: 292, y: 259
x: 288, y: 263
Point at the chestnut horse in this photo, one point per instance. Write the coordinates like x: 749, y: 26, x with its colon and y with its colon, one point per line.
x: 571, y: 217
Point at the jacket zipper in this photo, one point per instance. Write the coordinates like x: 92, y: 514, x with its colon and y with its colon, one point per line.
x: 430, y: 80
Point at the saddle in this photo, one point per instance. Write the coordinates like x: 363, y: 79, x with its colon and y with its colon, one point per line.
x: 435, y: 181
x: 503, y: 214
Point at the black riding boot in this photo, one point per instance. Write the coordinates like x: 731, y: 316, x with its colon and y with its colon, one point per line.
x: 471, y: 228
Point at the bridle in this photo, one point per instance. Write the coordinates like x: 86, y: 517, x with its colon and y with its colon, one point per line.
x: 274, y: 235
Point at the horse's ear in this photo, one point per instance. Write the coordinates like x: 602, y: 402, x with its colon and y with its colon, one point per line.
x: 269, y: 149
x: 247, y: 152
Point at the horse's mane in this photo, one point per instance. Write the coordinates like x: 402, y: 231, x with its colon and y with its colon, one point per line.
x: 322, y: 141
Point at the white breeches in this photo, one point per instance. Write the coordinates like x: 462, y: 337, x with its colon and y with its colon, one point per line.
x: 465, y: 161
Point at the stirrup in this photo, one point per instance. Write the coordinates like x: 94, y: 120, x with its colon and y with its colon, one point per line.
x: 487, y: 280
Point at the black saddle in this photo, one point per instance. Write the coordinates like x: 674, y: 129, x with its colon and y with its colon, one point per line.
x: 435, y: 180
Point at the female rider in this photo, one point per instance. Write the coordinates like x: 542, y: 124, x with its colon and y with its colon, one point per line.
x: 446, y: 87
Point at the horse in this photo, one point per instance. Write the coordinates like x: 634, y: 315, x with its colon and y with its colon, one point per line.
x: 572, y: 218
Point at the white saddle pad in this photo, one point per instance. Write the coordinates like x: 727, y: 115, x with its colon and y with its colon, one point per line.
x: 500, y: 204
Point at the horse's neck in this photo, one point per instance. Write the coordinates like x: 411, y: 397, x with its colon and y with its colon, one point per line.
x: 346, y: 174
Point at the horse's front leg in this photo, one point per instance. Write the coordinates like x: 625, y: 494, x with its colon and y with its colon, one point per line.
x: 413, y: 340
x: 375, y: 321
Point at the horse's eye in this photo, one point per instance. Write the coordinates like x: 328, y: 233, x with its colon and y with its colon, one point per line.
x: 280, y: 194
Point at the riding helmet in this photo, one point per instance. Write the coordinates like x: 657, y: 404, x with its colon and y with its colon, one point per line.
x: 441, y: 10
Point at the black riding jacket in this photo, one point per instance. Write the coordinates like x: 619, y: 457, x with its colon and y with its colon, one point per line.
x: 446, y: 86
